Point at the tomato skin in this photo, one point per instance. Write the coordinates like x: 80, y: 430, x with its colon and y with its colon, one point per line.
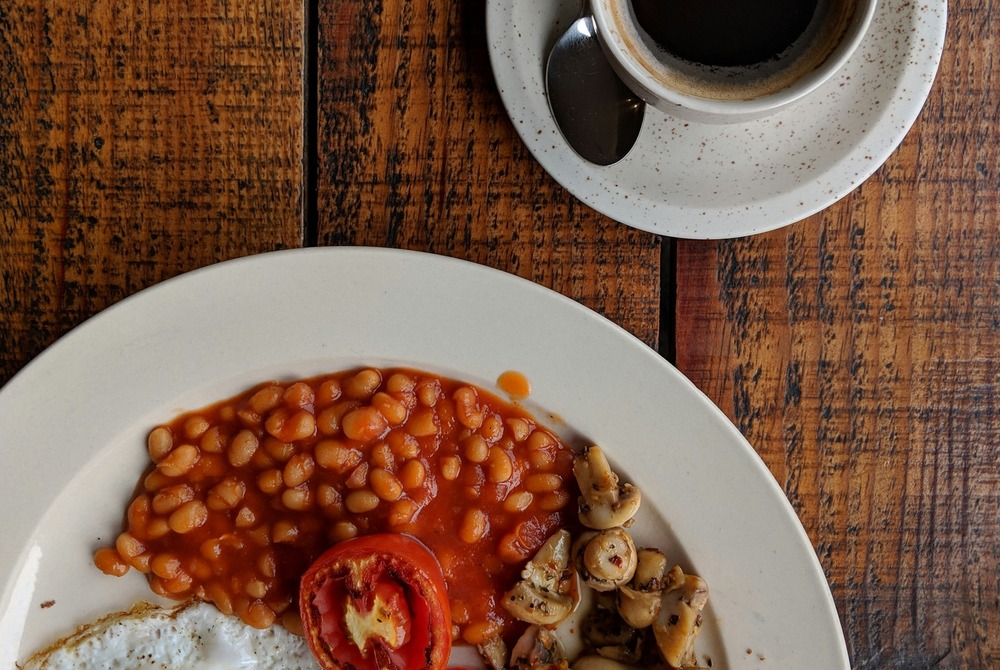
x: 370, y: 579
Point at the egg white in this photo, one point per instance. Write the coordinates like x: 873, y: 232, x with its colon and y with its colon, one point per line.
x: 194, y: 636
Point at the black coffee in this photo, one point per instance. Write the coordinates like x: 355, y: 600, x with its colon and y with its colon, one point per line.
x: 724, y: 32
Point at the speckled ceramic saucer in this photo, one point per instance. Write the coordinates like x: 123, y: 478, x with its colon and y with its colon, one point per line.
x: 691, y: 180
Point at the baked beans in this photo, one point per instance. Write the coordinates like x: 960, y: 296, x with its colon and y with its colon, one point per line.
x: 242, y: 496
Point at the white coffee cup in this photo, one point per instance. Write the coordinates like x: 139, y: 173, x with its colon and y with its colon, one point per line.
x: 714, y: 93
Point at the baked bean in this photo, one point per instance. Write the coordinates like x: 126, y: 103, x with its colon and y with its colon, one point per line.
x: 195, y: 427
x: 451, y: 466
x: 399, y: 383
x: 284, y: 531
x: 519, y: 429
x: 328, y: 421
x: 299, y: 395
x: 157, y: 528
x: 475, y: 449
x: 475, y: 524
x: 327, y: 392
x: 128, y: 545
x: 343, y: 530
x: 138, y: 512
x: 363, y: 424
x: 500, y: 466
x: 200, y: 569
x: 517, y: 501
x: 278, y: 603
x: 270, y: 481
x: 459, y: 611
x: 542, y: 482
x: 187, y: 517
x: 212, y: 441
x: 335, y: 455
x: 385, y: 484
x: 165, y: 565
x: 422, y: 423
x: 177, y: 585
x: 260, y: 616
x: 261, y: 535
x: 492, y: 428
x: 361, y: 501
x: 245, y: 518
x: 266, y: 399
x: 141, y: 562
x: 402, y: 512
x: 156, y: 480
x: 477, y: 633
x: 358, y: 477
x: 226, y: 495
x: 298, y: 469
x: 394, y: 411
x: 255, y: 589
x: 298, y: 499
x: 216, y: 593
x: 288, y: 425
x: 267, y: 566
x: 427, y: 391
x: 292, y: 622
x: 555, y: 500
x: 363, y: 384
x: 211, y: 549
x: 381, y: 456
x: 413, y: 474
x: 242, y: 448
x: 541, y: 459
x: 179, y: 461
x: 467, y: 408
x: 109, y: 562
x: 403, y: 444
x: 539, y: 439
x: 159, y: 443
x: 277, y: 449
x: 329, y: 499
x: 172, y: 497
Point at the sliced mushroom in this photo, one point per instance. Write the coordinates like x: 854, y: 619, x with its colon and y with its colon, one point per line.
x: 604, y: 501
x: 545, y: 594
x: 679, y: 621
x: 606, y: 633
x: 640, y: 602
x: 494, y: 652
x: 605, y: 559
x: 537, y: 648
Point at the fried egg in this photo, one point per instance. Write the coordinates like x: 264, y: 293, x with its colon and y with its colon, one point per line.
x: 195, y: 636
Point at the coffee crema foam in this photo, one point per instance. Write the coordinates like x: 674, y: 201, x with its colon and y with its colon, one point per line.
x: 809, y: 51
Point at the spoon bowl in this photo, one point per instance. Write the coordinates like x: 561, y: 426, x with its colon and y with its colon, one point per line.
x: 599, y: 116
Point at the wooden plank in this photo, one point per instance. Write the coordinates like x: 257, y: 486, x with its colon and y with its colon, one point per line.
x: 857, y: 351
x: 138, y: 141
x: 417, y: 152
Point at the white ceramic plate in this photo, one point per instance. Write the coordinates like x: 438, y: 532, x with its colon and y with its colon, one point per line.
x: 73, y: 426
x: 691, y: 180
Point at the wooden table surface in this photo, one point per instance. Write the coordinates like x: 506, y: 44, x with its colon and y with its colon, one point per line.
x: 858, y: 350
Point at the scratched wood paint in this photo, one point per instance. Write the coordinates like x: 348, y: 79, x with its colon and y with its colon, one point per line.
x: 138, y: 141
x: 858, y: 352
x: 415, y: 151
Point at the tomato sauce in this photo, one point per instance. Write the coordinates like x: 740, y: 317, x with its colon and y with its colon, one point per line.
x: 244, y: 495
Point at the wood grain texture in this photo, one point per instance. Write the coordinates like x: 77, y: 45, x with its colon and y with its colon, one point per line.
x: 858, y: 352
x: 138, y: 141
x: 416, y: 151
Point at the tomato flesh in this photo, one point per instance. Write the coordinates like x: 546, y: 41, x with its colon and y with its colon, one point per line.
x: 377, y: 601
